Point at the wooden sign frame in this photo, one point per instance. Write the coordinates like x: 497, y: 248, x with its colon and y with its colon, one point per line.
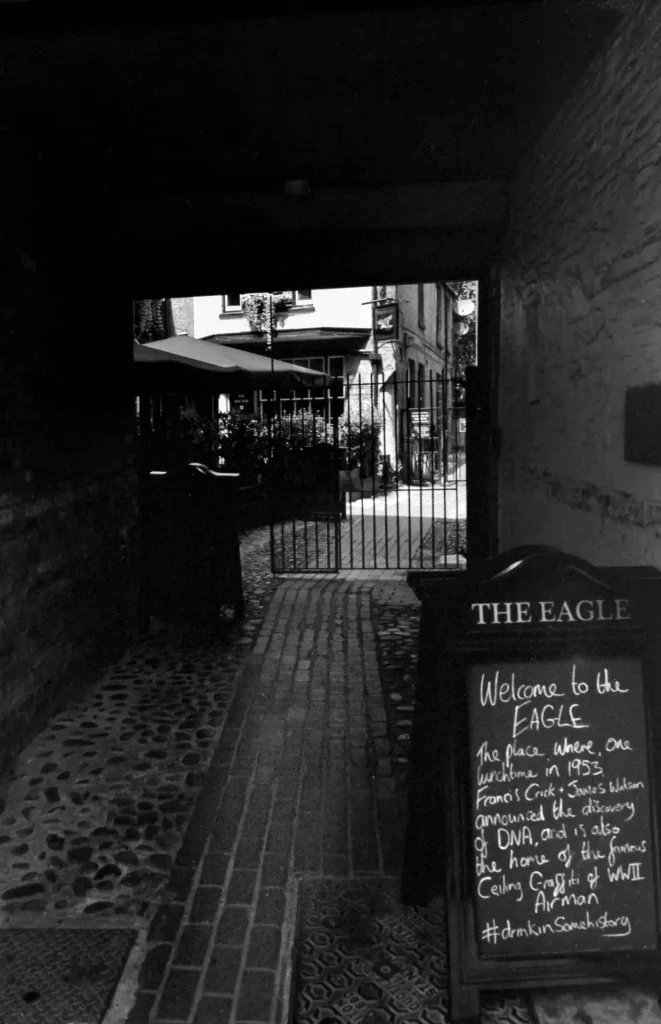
x: 439, y: 851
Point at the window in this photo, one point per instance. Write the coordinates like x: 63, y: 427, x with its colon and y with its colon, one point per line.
x: 441, y: 321
x: 313, y: 363
x: 323, y: 401
x: 421, y: 385
x: 413, y: 380
x: 336, y: 366
x: 301, y: 298
x: 232, y: 300
x: 421, y: 305
x: 449, y: 346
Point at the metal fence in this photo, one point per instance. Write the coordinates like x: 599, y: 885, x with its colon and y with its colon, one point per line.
x: 368, y: 474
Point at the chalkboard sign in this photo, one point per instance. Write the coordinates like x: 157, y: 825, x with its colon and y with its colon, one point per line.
x: 562, y: 828
x: 422, y: 422
x: 532, y: 788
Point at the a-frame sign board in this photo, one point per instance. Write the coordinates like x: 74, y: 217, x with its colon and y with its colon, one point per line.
x: 532, y: 800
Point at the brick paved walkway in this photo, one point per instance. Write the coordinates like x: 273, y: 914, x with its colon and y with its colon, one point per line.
x: 301, y: 785
x: 412, y: 527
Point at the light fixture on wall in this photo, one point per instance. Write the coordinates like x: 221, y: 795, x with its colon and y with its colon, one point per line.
x: 460, y: 328
x: 463, y: 307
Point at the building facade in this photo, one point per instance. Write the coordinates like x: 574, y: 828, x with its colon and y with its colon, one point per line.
x: 387, y: 348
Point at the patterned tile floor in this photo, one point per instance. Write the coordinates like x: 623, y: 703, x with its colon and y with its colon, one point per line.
x: 363, y: 958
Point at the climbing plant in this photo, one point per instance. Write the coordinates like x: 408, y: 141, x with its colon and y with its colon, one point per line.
x: 149, y: 319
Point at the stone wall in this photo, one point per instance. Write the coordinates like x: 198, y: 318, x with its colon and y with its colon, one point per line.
x: 68, y: 498
x: 581, y: 312
x: 182, y: 313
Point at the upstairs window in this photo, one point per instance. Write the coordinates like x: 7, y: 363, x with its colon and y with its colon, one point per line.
x: 421, y: 305
x: 232, y: 300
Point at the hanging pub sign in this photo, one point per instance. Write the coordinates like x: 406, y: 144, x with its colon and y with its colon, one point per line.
x: 533, y: 782
x: 385, y: 320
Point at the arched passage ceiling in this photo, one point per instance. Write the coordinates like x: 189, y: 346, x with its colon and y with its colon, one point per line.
x: 157, y: 123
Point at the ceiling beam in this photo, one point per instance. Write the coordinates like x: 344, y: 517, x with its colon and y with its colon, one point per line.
x: 277, y: 260
x: 36, y: 17
x: 397, y: 207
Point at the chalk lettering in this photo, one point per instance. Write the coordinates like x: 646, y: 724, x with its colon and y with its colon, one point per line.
x: 486, y: 891
x: 549, y: 716
x: 631, y: 873
x: 597, y: 807
x: 493, y: 692
x: 606, y: 686
x: 568, y: 746
x: 613, y: 744
x: 514, y: 837
x: 520, y: 861
x: 626, y: 849
x: 561, y: 843
x: 545, y: 904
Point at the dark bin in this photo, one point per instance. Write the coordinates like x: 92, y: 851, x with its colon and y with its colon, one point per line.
x: 321, y: 465
x: 191, y: 564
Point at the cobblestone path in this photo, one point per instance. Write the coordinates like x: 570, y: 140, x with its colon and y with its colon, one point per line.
x: 202, y: 783
x: 94, y: 810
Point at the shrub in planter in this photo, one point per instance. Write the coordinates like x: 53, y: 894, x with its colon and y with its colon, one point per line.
x: 302, y: 430
x: 233, y: 445
x: 362, y: 442
x: 254, y: 448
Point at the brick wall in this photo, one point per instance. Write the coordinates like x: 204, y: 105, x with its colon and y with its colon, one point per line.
x: 581, y: 312
x: 67, y: 493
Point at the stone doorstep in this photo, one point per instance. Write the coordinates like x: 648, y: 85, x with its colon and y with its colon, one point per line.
x: 578, y: 1006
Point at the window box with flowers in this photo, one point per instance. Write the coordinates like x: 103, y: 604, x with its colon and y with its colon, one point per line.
x: 294, y: 301
x: 256, y: 309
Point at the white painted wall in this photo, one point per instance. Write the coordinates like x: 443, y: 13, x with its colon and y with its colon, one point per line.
x: 331, y: 307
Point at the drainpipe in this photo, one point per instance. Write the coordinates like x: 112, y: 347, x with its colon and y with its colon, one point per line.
x: 374, y: 298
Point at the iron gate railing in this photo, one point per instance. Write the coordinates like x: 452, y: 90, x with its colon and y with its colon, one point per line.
x: 368, y: 474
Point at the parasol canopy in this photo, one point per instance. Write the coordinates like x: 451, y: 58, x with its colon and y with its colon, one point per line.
x: 237, y: 365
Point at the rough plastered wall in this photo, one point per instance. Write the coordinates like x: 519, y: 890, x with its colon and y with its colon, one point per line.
x: 581, y: 313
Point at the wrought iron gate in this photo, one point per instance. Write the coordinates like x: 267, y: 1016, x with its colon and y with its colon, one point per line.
x: 368, y: 474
